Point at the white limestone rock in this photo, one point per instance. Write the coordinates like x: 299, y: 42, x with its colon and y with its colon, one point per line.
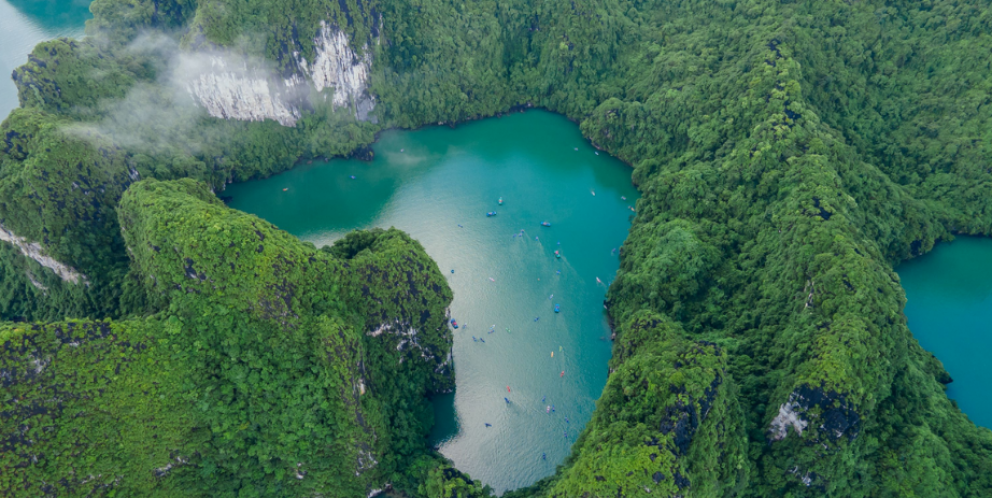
x: 337, y: 66
x: 34, y: 251
x: 244, y: 93
x: 229, y: 86
x: 788, y: 416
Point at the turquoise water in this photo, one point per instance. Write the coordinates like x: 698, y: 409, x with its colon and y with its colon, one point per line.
x: 437, y: 184
x: 950, y: 313
x: 24, y: 24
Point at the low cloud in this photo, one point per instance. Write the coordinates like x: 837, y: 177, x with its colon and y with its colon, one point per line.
x: 167, y: 114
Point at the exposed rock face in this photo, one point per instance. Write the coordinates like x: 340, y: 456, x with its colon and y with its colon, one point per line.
x: 34, y: 251
x: 788, y: 416
x: 245, y: 90
x: 837, y: 417
x: 337, y: 66
x: 244, y: 93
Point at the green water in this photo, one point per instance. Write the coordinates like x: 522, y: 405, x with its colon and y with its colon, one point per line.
x: 430, y: 181
x: 950, y: 313
x: 24, y: 24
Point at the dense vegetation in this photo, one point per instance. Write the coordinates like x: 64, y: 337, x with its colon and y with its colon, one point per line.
x: 788, y: 154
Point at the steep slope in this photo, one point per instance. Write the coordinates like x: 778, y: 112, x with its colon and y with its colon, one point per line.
x: 265, y: 371
x: 788, y: 155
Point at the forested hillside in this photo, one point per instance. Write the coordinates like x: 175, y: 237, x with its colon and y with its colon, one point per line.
x: 788, y: 155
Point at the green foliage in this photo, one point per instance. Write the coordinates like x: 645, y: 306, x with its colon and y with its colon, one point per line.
x: 256, y: 378
x: 788, y: 155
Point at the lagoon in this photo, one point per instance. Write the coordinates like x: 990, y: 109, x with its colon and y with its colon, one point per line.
x: 437, y: 184
x: 949, y: 308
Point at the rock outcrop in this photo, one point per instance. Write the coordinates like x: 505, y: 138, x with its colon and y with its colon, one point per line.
x: 230, y: 87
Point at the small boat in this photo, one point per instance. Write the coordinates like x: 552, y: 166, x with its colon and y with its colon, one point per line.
x: 537, y: 318
x: 491, y: 279
x: 562, y: 373
x: 489, y: 425
x: 547, y: 410
x: 500, y: 201
x: 507, y: 388
x: 623, y: 197
x: 576, y: 148
x: 454, y: 323
x: 598, y: 281
x: 552, y: 354
x: 593, y: 192
x: 557, y: 309
x: 452, y: 271
x: 557, y: 254
x: 352, y: 177
x: 597, y: 153
x: 490, y: 214
x: 401, y: 150
x: 285, y: 189
x: 545, y: 224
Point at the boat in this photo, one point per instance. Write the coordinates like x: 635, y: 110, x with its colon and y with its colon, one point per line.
x: 490, y: 213
x: 557, y: 310
x: 500, y: 201
x: 623, y: 197
x: 454, y: 323
x: 593, y: 193
x: 557, y: 254
x: 545, y: 224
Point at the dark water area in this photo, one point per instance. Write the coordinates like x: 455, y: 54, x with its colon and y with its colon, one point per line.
x: 24, y: 24
x: 438, y: 184
x: 950, y: 313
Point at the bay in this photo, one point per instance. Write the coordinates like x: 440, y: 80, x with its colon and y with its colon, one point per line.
x: 438, y: 184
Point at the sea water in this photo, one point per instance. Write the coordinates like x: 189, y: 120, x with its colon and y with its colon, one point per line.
x: 949, y: 308
x: 437, y: 184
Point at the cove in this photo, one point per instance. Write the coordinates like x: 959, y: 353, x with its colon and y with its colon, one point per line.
x: 26, y: 23
x: 949, y: 308
x: 437, y: 184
